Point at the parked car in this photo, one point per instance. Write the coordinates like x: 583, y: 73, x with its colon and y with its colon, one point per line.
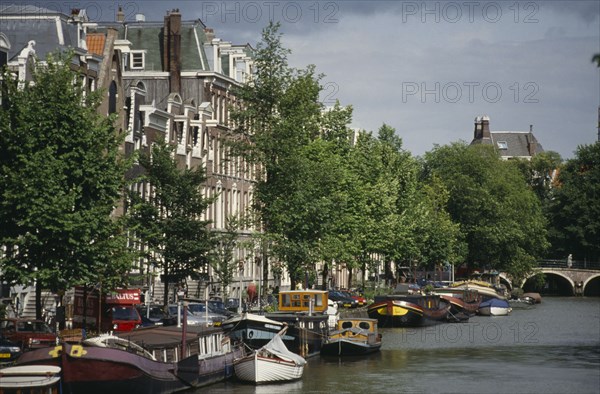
x: 362, y: 301
x: 197, y: 315
x: 172, y: 309
x: 200, y: 311
x: 157, y: 315
x: 123, y: 318
x: 342, y: 300
x: 218, y: 306
x: 9, y: 351
x: 232, y: 304
x: 27, y: 333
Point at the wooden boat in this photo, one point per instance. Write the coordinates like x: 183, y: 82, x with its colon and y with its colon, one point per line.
x: 535, y: 296
x: 353, y: 337
x: 93, y: 369
x: 213, y: 350
x: 149, y: 360
x: 303, y: 311
x: 464, y: 303
x: 521, y: 303
x: 486, y: 290
x: 408, y: 310
x: 272, y: 363
x: 30, y: 379
x: 459, y: 309
x: 254, y: 330
x: 494, y: 307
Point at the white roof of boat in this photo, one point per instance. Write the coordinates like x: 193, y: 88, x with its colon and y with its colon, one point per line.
x: 29, y: 376
x: 254, y: 317
x: 29, y: 370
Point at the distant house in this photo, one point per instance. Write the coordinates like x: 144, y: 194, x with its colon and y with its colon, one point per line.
x: 509, y: 144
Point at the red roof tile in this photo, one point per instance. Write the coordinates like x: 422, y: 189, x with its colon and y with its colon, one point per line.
x: 95, y: 43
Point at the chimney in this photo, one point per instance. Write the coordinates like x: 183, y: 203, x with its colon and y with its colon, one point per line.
x: 477, y: 134
x: 172, y: 49
x: 120, y: 15
x: 485, y: 127
x: 210, y: 34
x: 531, y: 143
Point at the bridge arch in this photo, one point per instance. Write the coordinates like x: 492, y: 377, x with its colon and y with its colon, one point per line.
x: 557, y: 283
x: 506, y: 282
x: 591, y: 286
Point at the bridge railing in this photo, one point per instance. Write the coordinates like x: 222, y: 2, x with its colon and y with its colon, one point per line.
x: 576, y: 264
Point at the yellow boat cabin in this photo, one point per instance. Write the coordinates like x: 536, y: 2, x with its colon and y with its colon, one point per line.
x: 303, y: 301
x: 352, y: 337
x: 355, y: 327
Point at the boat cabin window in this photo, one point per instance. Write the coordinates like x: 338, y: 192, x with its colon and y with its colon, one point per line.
x: 364, y: 325
x: 300, y: 300
x: 296, y: 300
x: 285, y: 300
x: 347, y: 324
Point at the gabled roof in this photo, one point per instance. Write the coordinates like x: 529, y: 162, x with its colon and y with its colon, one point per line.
x: 148, y: 37
x: 49, y: 29
x: 516, y: 143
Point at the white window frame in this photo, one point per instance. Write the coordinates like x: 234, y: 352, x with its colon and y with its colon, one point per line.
x: 134, y: 60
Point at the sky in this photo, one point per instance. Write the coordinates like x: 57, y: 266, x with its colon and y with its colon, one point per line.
x: 426, y: 68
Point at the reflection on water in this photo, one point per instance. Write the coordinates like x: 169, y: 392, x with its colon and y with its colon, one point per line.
x: 551, y: 348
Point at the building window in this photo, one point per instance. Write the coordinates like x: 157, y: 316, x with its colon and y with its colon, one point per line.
x: 503, y: 145
x: 136, y: 60
x: 112, y: 98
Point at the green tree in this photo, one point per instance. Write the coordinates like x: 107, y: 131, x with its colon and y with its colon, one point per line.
x: 500, y: 217
x: 539, y: 173
x: 278, y: 117
x: 170, y: 221
x: 61, y: 176
x: 437, y: 237
x: 575, y: 208
x: 221, y: 259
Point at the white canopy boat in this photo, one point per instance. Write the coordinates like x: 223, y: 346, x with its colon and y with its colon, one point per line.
x: 270, y: 364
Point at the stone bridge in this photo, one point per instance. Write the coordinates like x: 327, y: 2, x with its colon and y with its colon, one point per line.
x: 574, y: 278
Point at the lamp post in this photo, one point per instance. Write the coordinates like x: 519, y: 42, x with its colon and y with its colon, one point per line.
x: 241, y: 267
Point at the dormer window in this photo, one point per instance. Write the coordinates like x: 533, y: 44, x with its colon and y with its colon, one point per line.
x: 136, y: 60
x: 502, y: 145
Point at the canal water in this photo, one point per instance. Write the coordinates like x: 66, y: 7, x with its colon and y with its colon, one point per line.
x: 553, y: 347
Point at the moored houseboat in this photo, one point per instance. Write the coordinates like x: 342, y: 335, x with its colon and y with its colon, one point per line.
x: 486, y: 290
x: 150, y: 360
x: 213, y: 350
x: 304, y: 312
x: 353, y: 337
x: 95, y: 369
x: 464, y: 303
x: 408, y: 310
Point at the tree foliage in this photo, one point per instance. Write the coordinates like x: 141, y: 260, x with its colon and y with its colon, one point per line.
x: 169, y: 221
x: 500, y: 217
x: 61, y: 176
x: 278, y: 118
x: 575, y: 208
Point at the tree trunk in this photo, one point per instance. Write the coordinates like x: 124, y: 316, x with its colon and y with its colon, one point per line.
x: 166, y: 284
x: 350, y: 277
x: 389, y: 275
x: 325, y: 275
x: 38, y: 300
